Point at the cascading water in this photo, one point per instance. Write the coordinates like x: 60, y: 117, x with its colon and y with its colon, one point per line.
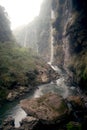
x: 36, y: 45
x: 28, y: 43
x: 62, y: 82
x: 52, y: 38
x: 25, y: 38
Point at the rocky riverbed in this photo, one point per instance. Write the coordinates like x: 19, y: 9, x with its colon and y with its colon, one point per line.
x: 53, y: 107
x: 43, y: 76
x: 51, y: 111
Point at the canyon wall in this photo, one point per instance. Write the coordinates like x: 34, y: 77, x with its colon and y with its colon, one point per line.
x: 36, y: 35
x: 70, y: 38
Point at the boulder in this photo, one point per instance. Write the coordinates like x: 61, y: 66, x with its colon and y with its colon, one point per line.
x: 12, y: 96
x: 49, y: 108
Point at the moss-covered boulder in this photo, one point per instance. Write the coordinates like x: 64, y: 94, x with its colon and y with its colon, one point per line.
x: 49, y: 108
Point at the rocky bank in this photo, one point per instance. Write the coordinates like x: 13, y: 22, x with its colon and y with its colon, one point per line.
x: 51, y: 111
x: 40, y: 76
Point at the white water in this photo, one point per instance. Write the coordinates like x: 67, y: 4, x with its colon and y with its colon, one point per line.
x: 52, y: 38
x: 52, y: 41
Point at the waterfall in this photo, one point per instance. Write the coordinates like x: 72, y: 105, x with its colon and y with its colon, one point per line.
x: 36, y: 45
x: 28, y: 39
x: 25, y: 38
x: 52, y: 41
x: 52, y: 38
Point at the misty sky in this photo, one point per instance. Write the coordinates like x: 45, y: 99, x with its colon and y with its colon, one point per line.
x: 21, y: 11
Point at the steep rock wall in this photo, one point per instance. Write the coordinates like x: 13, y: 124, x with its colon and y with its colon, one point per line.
x: 70, y: 34
x: 36, y: 35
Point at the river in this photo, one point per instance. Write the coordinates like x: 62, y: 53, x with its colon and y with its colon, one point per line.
x: 14, y: 110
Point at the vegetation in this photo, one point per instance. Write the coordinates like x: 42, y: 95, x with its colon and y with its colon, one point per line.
x: 18, y: 65
x: 73, y: 126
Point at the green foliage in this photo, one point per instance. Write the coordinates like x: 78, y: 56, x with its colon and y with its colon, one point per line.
x: 18, y: 65
x: 73, y: 126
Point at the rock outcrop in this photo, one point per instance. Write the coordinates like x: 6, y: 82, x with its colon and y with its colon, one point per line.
x: 70, y: 38
x: 49, y: 108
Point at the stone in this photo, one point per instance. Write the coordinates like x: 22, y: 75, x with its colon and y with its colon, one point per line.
x: 76, y: 101
x: 29, y: 123
x: 44, y: 78
x: 49, y: 108
x: 12, y: 95
x: 9, y: 121
x: 8, y: 124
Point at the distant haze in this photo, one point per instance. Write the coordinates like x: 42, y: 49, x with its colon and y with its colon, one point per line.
x: 21, y: 12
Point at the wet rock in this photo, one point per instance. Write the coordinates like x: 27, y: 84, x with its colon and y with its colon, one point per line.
x: 76, y: 101
x: 11, y: 96
x: 29, y: 123
x: 45, y: 78
x: 9, y: 121
x: 18, y: 92
x: 49, y: 109
x: 8, y: 124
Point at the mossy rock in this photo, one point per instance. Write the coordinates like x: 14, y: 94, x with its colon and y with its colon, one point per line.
x: 74, y: 126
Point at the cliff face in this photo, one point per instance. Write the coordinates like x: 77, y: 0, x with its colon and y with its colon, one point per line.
x: 5, y: 31
x: 70, y: 38
x: 36, y: 35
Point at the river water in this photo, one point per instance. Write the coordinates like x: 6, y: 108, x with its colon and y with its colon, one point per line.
x: 14, y: 110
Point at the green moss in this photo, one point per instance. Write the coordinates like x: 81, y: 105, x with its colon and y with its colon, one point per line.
x: 74, y: 126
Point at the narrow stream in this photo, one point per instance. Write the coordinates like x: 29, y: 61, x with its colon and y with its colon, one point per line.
x: 14, y: 110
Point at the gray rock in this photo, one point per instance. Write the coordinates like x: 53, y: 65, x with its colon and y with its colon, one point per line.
x: 49, y: 109
x: 29, y: 123
x: 8, y: 124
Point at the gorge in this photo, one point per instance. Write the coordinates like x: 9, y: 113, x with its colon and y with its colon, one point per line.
x: 60, y: 37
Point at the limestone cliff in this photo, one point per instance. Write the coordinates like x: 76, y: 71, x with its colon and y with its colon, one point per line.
x: 70, y: 38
